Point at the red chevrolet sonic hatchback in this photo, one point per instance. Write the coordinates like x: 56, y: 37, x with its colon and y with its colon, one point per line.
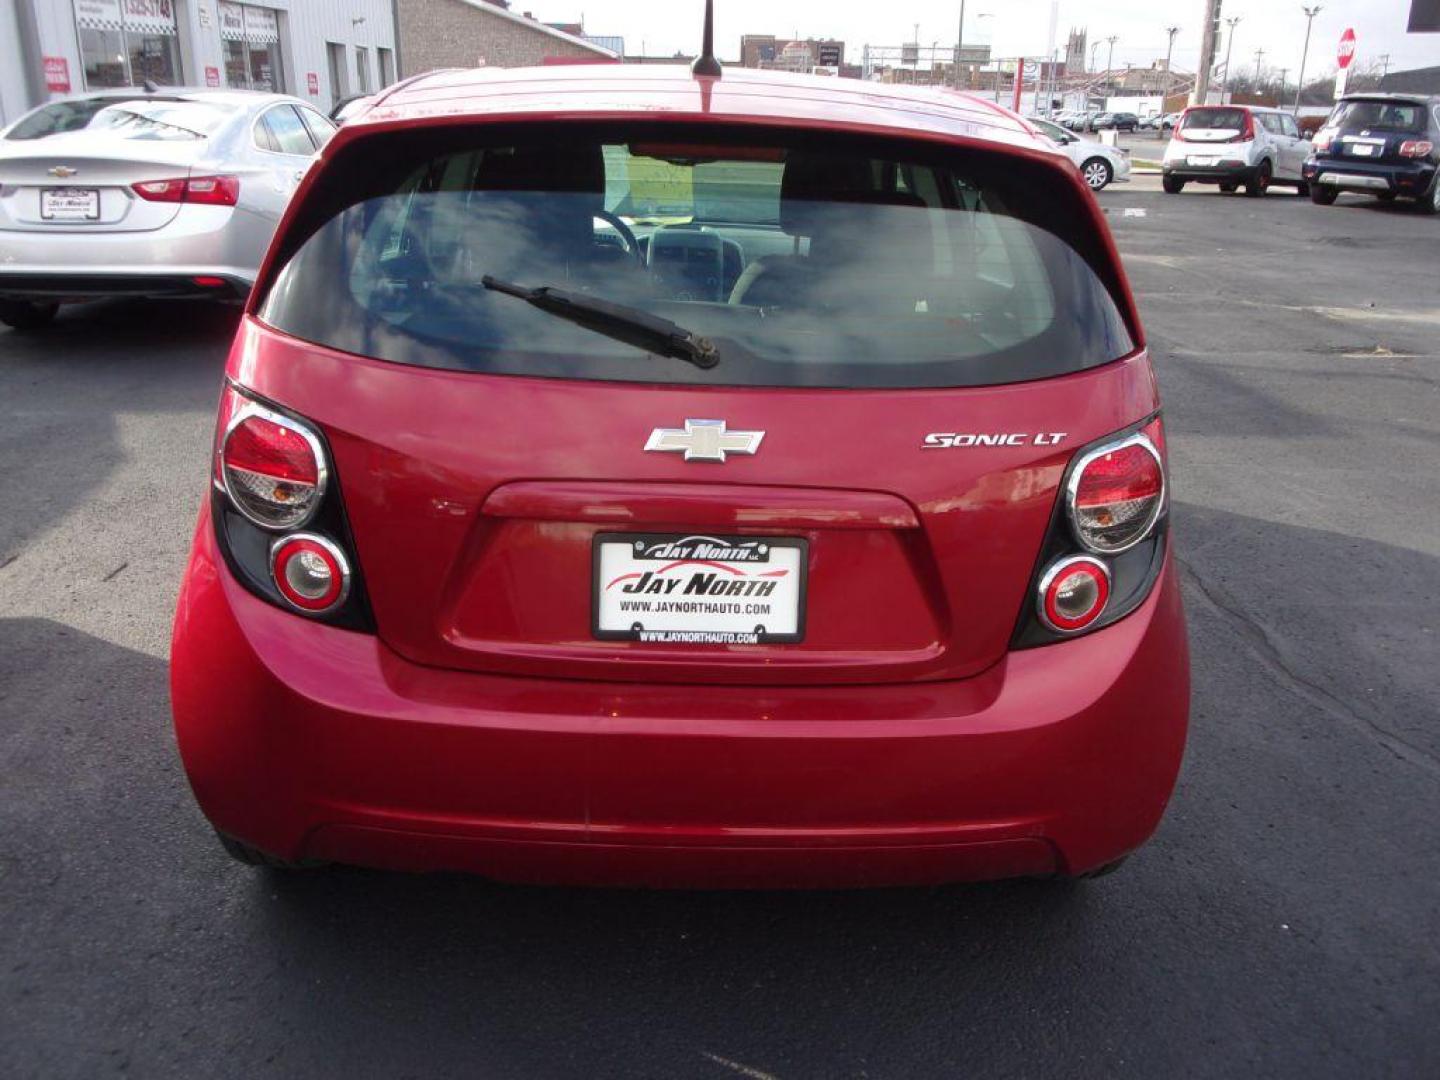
x: 627, y: 476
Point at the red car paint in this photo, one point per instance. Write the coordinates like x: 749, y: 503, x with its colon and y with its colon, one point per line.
x: 903, y: 740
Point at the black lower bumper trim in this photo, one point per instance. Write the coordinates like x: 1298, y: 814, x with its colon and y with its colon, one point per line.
x: 54, y: 287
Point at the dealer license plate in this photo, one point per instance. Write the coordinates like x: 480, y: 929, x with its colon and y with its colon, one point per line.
x: 1194, y: 161
x: 672, y: 588
x: 70, y: 204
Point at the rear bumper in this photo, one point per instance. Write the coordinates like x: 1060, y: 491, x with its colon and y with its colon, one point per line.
x: 1208, y: 174
x: 312, y: 742
x: 200, y: 241
x: 1354, y: 175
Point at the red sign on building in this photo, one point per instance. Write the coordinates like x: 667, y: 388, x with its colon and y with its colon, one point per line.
x: 212, y: 76
x: 312, y: 83
x: 57, y: 74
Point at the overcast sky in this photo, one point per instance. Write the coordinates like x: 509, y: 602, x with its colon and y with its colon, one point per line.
x: 1014, y: 27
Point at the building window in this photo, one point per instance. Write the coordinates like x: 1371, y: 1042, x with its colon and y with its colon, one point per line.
x: 250, y: 37
x: 387, y: 66
x: 362, y: 69
x: 126, y: 42
x: 335, y: 58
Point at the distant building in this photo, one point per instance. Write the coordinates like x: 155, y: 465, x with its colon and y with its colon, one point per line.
x: 1414, y: 81
x: 787, y: 54
x: 477, y: 33
x: 1075, y: 51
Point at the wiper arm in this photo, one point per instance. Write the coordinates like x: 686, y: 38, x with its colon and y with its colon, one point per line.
x: 619, y: 321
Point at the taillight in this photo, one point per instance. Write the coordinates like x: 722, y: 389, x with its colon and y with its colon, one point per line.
x: 1416, y: 148
x: 1322, y: 139
x: 206, y: 190
x: 1073, y: 593
x: 1116, y: 493
x: 311, y: 573
x: 271, y: 466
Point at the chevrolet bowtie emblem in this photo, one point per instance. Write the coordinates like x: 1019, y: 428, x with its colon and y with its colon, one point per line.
x: 704, y: 440
x: 63, y: 171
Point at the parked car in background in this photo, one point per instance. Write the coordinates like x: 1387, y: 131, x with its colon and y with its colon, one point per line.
x: 688, y: 481
x: 170, y: 193
x: 1082, y: 121
x: 1117, y: 121
x: 1149, y: 123
x: 1234, y: 146
x: 1099, y: 164
x: 1386, y: 145
x: 1169, y: 120
x: 351, y: 107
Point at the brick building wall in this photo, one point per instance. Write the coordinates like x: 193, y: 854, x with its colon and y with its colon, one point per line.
x: 472, y: 33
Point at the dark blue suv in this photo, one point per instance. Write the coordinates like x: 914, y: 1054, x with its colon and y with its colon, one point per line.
x: 1387, y: 145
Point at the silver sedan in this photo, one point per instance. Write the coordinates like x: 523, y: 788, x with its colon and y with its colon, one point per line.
x: 163, y: 193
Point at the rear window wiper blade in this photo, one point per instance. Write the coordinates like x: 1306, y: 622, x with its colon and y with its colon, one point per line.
x: 631, y: 325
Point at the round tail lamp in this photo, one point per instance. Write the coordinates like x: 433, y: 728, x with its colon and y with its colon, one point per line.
x: 311, y: 573
x: 1073, y: 593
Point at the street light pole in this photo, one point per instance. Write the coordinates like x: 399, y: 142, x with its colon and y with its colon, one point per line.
x: 1310, y: 13
x: 959, y: 43
x: 1169, y: 50
x: 1093, y: 50
x: 1229, y: 44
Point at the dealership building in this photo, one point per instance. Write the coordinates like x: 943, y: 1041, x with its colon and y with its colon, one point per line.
x: 320, y: 50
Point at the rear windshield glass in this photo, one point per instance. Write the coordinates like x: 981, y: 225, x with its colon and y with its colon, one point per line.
x: 1380, y: 115
x: 143, y: 119
x: 1214, y: 119
x: 805, y: 263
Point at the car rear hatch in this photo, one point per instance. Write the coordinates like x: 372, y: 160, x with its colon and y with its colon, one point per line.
x: 839, y: 499
x: 1373, y: 131
x: 82, y: 181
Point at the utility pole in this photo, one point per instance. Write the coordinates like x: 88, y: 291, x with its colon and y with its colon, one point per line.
x: 1384, y: 64
x: 959, y: 44
x: 1093, y: 50
x: 1280, y: 97
x: 1310, y: 13
x: 1207, y: 51
x: 1258, y: 54
x: 1110, y: 60
x: 1169, y: 50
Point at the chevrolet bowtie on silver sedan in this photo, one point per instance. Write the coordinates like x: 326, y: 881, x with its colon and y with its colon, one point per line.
x: 159, y: 193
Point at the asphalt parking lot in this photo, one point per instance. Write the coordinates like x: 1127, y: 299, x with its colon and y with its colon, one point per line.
x: 1284, y: 922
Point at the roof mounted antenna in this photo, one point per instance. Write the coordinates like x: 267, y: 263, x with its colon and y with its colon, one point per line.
x: 705, y: 63
x: 150, y: 86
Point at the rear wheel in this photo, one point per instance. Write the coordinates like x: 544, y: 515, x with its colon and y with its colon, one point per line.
x: 1322, y: 196
x: 1172, y: 186
x: 1097, y: 173
x: 23, y: 315
x: 1430, y: 204
x: 1259, y: 181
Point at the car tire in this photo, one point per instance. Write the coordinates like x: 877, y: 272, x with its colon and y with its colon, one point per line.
x: 1322, y: 196
x: 1430, y: 204
x: 1172, y: 186
x: 23, y: 315
x: 244, y: 853
x: 1097, y: 173
x: 1259, y: 181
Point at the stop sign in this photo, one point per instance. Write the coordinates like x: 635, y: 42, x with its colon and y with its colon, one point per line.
x: 1346, y: 52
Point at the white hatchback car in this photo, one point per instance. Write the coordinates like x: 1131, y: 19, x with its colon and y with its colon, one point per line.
x: 1099, y: 164
x: 1234, y: 145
